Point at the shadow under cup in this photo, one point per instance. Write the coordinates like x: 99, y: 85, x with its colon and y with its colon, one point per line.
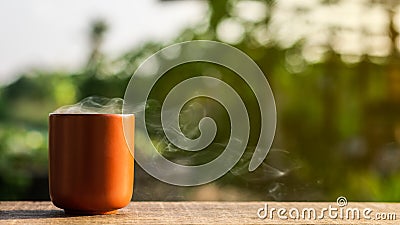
x: 90, y: 165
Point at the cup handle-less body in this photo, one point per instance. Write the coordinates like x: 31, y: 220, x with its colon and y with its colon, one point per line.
x: 90, y: 164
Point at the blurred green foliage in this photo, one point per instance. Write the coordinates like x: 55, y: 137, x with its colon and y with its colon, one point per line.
x: 338, y: 113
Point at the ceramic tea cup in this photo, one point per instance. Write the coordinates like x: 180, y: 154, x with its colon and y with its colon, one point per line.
x: 90, y: 163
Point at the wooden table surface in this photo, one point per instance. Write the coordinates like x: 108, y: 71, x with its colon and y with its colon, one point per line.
x: 191, y: 213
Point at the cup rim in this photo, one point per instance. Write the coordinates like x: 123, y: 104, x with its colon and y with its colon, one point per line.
x: 92, y: 114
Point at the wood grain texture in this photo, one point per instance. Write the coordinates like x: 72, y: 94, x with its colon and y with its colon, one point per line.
x: 185, y: 213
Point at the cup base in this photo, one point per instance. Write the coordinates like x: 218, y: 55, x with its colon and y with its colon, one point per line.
x: 79, y: 212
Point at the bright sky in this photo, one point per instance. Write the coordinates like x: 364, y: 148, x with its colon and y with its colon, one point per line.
x: 54, y: 34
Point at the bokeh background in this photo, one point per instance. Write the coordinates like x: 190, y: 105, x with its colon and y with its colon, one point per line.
x: 333, y: 66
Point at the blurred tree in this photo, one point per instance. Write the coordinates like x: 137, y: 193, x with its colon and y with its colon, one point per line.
x: 97, y: 32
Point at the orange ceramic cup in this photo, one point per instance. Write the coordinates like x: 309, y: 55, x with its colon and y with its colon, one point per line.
x: 90, y: 165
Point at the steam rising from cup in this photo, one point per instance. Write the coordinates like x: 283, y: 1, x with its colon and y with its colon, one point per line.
x: 93, y: 105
